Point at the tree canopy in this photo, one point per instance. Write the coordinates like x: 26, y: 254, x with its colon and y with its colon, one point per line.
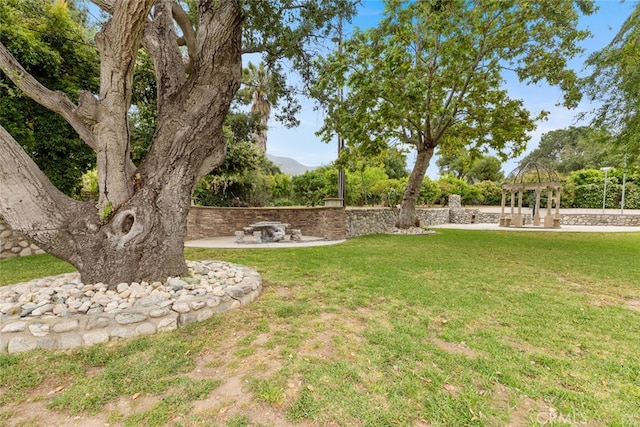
x: 472, y: 169
x: 614, y: 84
x: 572, y: 149
x: 432, y: 75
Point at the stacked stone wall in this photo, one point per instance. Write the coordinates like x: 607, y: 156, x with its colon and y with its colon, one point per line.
x: 61, y: 312
x: 14, y: 244
x: 325, y: 222
x: 365, y: 221
x: 432, y: 216
x: 599, y: 219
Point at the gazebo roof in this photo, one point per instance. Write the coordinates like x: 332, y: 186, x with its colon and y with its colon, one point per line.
x: 532, y: 176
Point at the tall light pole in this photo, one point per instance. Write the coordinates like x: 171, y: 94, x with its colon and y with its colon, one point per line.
x: 624, y: 182
x: 604, y: 191
x: 341, y: 175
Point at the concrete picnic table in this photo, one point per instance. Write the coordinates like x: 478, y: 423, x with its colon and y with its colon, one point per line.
x: 267, y: 231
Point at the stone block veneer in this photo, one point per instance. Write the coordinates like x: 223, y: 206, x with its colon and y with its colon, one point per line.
x: 14, y: 244
x: 61, y: 312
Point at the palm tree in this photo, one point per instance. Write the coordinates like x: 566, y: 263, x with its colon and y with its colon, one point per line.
x: 257, y: 83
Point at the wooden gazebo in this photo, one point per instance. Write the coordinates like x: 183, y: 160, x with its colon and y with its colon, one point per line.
x: 534, y: 177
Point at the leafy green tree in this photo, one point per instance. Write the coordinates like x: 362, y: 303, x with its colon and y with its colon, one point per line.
x: 52, y: 41
x: 572, y: 149
x: 471, y: 168
x: 453, y: 164
x: 430, y: 76
x: 614, y: 85
x: 136, y: 232
x: 360, y: 185
x: 395, y: 163
x: 486, y: 168
x: 310, y: 188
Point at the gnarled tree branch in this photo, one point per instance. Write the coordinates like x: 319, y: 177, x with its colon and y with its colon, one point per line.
x: 30, y: 203
x: 160, y: 40
x: 55, y: 101
x: 106, y: 5
x: 118, y: 45
x: 188, y: 34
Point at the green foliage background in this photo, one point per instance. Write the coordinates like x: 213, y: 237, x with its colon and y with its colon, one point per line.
x: 54, y: 43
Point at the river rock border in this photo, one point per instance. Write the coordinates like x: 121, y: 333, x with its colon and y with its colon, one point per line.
x: 60, y: 312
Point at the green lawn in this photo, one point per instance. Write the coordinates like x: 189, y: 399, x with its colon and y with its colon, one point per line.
x: 456, y: 328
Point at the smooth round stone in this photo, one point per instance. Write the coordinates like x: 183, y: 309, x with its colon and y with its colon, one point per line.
x: 65, y: 295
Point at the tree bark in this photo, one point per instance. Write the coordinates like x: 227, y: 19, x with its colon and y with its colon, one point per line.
x: 407, y: 217
x: 137, y: 231
x: 142, y: 241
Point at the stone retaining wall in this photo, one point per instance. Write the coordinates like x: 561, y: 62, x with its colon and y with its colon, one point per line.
x: 57, y: 333
x: 599, y: 219
x: 25, y: 328
x: 14, y: 244
x: 364, y: 221
x: 325, y: 222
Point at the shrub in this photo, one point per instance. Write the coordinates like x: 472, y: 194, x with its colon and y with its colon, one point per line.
x: 90, y: 189
x: 589, y: 196
x: 568, y: 196
x: 490, y: 191
x: 632, y: 196
x: 280, y: 186
x: 589, y: 176
x: 449, y: 184
x: 389, y: 191
x: 309, y: 189
x: 429, y: 192
x: 282, y: 202
x: 360, y: 184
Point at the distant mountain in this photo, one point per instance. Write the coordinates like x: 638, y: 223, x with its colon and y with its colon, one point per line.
x: 289, y: 166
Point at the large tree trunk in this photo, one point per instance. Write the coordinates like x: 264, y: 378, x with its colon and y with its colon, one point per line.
x: 407, y: 217
x: 136, y: 233
x: 142, y: 241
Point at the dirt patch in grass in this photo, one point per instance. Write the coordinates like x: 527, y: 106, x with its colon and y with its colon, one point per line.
x: 522, y: 410
x: 522, y: 346
x: 34, y: 411
x: 569, y: 282
x: 633, y: 304
x: 320, y: 346
x: 455, y: 348
x: 36, y: 414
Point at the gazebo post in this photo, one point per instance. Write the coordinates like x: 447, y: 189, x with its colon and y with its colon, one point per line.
x: 548, y: 219
x: 503, y: 219
x: 519, y: 222
x: 556, y: 219
x: 513, y: 202
x: 536, y: 207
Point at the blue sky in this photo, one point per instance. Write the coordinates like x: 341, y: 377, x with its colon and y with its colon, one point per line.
x: 302, y: 145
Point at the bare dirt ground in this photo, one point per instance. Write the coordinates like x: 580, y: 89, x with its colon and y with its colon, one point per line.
x: 231, y: 398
